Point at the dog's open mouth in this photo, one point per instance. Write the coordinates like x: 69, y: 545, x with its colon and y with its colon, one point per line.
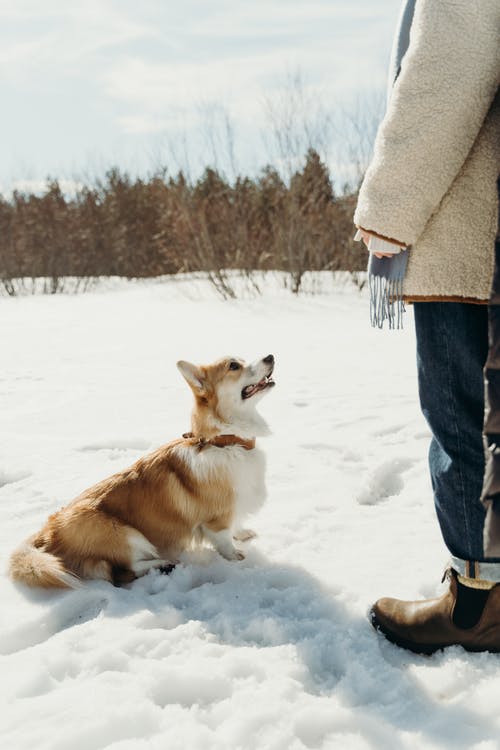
x: 251, y: 390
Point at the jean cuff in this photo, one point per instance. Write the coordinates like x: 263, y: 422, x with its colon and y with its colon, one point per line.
x: 486, y: 571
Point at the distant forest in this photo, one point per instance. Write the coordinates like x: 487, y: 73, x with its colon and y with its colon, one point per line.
x: 136, y: 228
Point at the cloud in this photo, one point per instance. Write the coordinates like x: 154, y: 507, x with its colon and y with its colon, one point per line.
x: 60, y: 37
x: 265, y: 17
x: 110, y: 77
x: 140, y: 124
x: 153, y: 95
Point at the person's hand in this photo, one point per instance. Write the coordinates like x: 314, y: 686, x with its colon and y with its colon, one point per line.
x: 366, y: 236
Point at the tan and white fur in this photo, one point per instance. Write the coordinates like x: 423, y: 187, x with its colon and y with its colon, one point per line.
x: 198, y: 487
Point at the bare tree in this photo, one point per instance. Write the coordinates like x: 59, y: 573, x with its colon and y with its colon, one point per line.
x: 298, y: 121
x: 355, y: 128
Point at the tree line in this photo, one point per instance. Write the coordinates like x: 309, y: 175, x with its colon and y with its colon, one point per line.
x: 136, y: 227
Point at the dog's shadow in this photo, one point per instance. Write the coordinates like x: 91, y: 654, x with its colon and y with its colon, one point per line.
x: 265, y: 605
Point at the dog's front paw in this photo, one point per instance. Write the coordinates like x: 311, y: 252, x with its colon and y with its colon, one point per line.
x: 235, y: 554
x: 244, y: 535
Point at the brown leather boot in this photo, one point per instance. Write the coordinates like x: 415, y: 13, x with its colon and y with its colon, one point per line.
x: 461, y: 616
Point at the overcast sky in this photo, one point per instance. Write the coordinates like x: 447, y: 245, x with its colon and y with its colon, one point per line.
x: 90, y: 83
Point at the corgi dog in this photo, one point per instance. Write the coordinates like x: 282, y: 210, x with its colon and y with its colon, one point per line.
x: 193, y: 489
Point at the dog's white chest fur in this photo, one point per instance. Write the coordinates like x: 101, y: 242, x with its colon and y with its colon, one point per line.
x: 246, y: 469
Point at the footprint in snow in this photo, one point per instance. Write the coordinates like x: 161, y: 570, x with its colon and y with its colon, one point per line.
x: 346, y: 454
x: 114, y: 445
x: 318, y: 446
x: 10, y: 477
x: 391, y: 429
x: 385, y: 482
x: 70, y: 609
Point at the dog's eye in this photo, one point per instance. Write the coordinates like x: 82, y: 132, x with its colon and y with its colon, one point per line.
x: 234, y: 366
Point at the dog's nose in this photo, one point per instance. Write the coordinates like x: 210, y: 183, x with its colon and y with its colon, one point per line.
x: 269, y: 360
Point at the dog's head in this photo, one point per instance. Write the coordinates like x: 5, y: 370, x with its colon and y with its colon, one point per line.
x: 226, y: 394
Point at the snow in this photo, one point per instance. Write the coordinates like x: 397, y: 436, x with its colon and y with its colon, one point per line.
x: 271, y: 653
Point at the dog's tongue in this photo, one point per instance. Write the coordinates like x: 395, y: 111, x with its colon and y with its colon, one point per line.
x: 249, y: 390
x: 264, y: 383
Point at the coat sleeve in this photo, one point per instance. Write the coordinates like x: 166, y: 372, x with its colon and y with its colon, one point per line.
x: 448, y: 79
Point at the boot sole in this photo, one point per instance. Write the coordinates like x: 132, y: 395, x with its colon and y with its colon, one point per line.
x: 418, y: 648
x: 427, y: 649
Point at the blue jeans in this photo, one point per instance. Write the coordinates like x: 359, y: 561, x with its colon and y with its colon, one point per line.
x: 452, y: 346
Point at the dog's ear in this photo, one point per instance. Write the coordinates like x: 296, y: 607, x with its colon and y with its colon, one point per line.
x: 193, y: 375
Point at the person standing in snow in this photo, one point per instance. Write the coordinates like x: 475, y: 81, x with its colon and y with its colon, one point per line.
x: 428, y: 213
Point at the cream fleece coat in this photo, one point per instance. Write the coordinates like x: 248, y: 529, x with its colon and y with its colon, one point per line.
x: 432, y: 181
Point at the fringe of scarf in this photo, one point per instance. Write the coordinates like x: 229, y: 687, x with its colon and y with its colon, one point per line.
x: 385, y: 277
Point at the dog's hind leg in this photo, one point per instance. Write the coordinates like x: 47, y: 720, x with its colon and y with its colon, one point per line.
x: 100, y: 569
x: 143, y: 555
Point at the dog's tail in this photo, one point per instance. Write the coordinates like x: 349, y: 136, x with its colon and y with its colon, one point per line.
x: 34, y: 567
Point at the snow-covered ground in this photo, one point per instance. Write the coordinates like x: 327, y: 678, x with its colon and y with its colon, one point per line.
x: 271, y: 653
